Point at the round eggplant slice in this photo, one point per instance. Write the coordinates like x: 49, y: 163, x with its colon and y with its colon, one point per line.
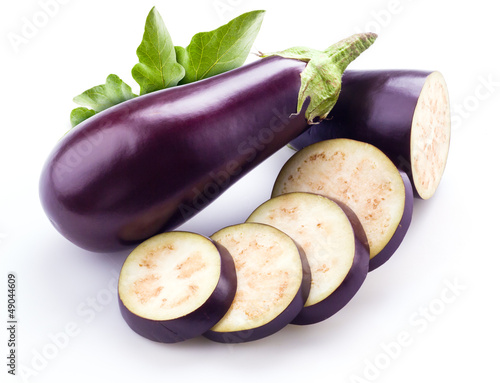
x: 405, y: 113
x: 273, y: 282
x: 176, y: 286
x: 360, y: 176
x: 335, y: 245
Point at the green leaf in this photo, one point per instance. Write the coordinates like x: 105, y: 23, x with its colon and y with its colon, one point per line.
x: 80, y: 114
x: 221, y: 50
x: 157, y: 68
x: 101, y: 97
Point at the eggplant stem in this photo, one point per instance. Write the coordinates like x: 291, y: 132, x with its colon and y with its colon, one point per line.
x: 347, y: 50
x: 322, y: 77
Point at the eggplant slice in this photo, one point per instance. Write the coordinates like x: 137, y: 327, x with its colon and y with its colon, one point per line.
x: 176, y: 286
x: 360, y: 176
x: 273, y: 282
x: 335, y: 245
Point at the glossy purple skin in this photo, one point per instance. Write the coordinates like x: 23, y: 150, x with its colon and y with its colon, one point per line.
x: 283, y: 319
x: 352, y: 282
x: 393, y: 244
x: 375, y: 107
x: 197, y: 322
x: 151, y: 163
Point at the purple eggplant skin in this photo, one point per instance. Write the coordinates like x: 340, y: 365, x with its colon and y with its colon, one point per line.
x: 278, y: 323
x: 149, y: 164
x: 377, y: 107
x: 403, y: 226
x: 352, y: 282
x: 197, y: 322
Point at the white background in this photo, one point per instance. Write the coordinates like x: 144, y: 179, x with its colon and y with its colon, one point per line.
x: 70, y: 328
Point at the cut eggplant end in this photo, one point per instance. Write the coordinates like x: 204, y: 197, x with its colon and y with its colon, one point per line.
x: 273, y: 282
x: 356, y: 174
x: 337, y: 259
x: 176, y: 286
x: 430, y: 135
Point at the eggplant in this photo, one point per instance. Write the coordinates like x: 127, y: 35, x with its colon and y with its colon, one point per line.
x: 149, y: 164
x: 273, y: 282
x: 176, y: 286
x: 362, y: 177
x: 405, y: 113
x: 333, y: 241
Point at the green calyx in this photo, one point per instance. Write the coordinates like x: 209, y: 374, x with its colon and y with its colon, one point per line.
x: 321, y: 79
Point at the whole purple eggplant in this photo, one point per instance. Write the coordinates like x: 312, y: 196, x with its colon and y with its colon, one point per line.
x: 149, y: 164
x: 405, y: 113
